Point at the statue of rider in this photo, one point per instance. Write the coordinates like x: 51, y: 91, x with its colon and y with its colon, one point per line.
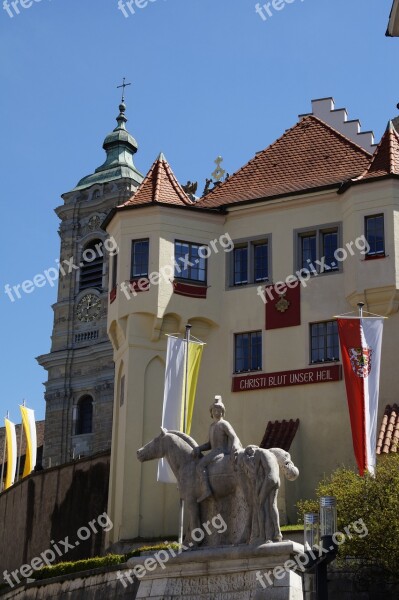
x: 223, y: 441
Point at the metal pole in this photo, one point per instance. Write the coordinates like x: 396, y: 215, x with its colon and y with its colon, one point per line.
x: 4, y: 458
x: 181, y: 515
x: 321, y: 581
x: 360, y: 307
x: 181, y: 521
x: 188, y: 328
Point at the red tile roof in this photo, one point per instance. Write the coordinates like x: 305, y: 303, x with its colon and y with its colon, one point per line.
x: 385, y: 159
x: 388, y: 437
x: 280, y: 434
x: 309, y: 155
x: 159, y: 186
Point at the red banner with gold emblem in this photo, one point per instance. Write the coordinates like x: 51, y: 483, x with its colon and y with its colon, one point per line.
x: 283, y: 305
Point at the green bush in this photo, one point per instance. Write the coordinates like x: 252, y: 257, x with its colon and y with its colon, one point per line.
x: 297, y: 527
x: 376, y: 502
x: 66, y: 568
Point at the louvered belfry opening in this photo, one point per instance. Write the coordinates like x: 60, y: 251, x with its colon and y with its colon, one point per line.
x: 91, y: 266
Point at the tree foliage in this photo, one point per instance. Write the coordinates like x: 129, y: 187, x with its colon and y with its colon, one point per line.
x: 376, y: 502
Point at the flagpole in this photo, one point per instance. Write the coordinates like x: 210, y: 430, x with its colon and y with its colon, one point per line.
x: 4, y: 457
x: 20, y: 446
x: 360, y: 307
x: 181, y: 516
x: 188, y: 328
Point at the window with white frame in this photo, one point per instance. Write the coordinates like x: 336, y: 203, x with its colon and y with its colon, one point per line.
x: 249, y: 262
x: 324, y: 343
x: 140, y: 258
x: 248, y: 351
x: 191, y: 261
x: 374, y: 229
x: 316, y: 248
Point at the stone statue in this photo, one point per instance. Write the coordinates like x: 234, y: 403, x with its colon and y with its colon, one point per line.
x: 207, y: 187
x: 191, y: 187
x: 262, y: 469
x: 223, y: 441
x: 241, y: 485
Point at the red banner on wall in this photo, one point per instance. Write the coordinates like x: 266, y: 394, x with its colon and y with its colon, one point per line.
x: 266, y: 381
x: 283, y: 305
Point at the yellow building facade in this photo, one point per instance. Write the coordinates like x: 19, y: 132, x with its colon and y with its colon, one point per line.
x: 259, y: 267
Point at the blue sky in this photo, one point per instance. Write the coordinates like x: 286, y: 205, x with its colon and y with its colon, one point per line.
x: 209, y: 77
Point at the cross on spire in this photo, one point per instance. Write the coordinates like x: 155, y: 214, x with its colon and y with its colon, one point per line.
x: 123, y: 86
x: 219, y: 171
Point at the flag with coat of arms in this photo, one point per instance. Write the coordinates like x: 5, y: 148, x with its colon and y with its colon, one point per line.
x: 361, y: 340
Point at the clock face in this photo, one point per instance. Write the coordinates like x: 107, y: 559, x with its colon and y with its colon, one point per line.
x: 89, y: 308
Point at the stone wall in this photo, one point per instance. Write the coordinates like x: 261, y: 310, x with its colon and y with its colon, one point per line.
x: 52, y: 505
x: 113, y: 583
x: 93, y: 585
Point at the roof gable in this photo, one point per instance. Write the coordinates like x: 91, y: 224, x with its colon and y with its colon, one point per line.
x: 308, y: 156
x: 385, y: 160
x: 159, y: 186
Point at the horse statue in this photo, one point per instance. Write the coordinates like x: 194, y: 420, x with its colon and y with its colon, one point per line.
x: 254, y: 472
x: 262, y: 469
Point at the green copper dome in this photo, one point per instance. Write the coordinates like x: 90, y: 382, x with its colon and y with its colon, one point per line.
x: 120, y: 147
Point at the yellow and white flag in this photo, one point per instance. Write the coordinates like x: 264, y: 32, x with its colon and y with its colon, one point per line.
x: 178, y: 406
x: 11, y: 442
x: 28, y: 421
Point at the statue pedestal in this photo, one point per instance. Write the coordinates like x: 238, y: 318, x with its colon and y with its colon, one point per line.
x: 225, y: 573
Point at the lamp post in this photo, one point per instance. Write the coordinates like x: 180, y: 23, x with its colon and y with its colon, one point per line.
x: 324, y: 554
x: 311, y: 530
x: 328, y: 519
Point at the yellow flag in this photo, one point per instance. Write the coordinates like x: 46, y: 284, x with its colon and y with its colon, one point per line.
x: 174, y: 409
x: 28, y: 420
x: 11, y: 441
x: 194, y: 361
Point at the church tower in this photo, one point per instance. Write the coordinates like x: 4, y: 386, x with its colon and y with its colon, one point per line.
x: 79, y: 390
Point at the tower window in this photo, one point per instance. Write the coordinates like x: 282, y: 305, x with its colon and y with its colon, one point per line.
x: 190, y: 261
x: 375, y: 235
x: 91, y: 270
x: 140, y: 256
x: 114, y: 273
x: 84, y: 422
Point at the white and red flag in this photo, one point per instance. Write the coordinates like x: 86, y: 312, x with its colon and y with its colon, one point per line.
x: 360, y: 340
